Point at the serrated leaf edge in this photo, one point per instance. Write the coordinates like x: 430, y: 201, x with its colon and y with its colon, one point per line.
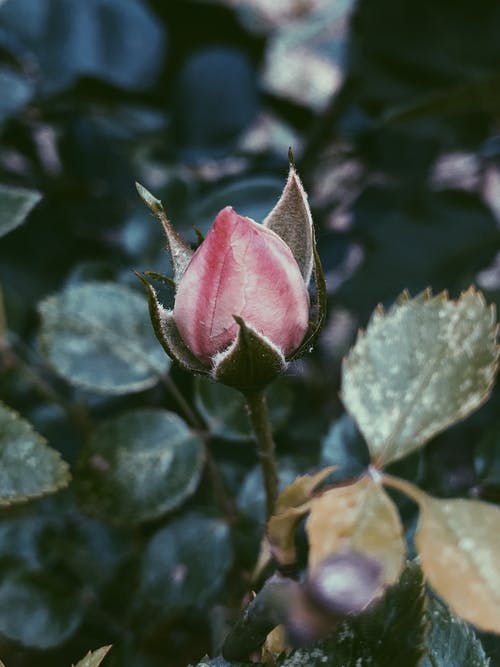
x: 40, y: 440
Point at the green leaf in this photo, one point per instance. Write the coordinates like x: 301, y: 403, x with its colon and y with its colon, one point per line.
x: 470, y: 97
x: 184, y: 566
x: 37, y: 609
x: 423, y: 366
x: 94, y: 658
x: 98, y: 336
x: 28, y: 467
x: 252, y: 196
x: 343, y: 446
x: 450, y: 236
x: 450, y: 641
x: 16, y: 91
x: 53, y: 535
x: 487, y: 457
x: 251, y: 495
x: 15, y: 206
x: 218, y: 661
x: 391, y: 633
x: 79, y: 44
x: 224, y: 409
x: 138, y: 466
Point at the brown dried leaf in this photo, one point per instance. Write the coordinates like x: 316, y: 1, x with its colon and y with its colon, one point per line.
x: 290, y: 507
x: 459, y: 546
x: 359, y: 517
x: 301, y: 489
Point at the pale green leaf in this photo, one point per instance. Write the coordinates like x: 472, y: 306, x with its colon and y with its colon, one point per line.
x: 28, y: 467
x: 138, y: 466
x: 423, y: 366
x: 15, y: 206
x: 98, y: 336
x: 93, y: 658
x: 450, y: 641
x: 359, y: 517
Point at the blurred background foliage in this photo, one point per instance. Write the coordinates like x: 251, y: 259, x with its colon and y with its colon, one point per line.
x: 392, y: 110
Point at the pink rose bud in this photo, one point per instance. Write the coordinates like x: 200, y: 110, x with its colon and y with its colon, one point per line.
x: 241, y: 307
x: 241, y: 269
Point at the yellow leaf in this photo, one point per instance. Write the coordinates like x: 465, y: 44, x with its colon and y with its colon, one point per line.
x: 301, y: 489
x: 290, y: 507
x: 459, y: 546
x: 358, y: 517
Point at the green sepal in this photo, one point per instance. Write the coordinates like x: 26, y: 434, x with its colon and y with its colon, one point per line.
x: 199, y: 237
x: 291, y: 220
x: 321, y: 299
x: 159, y: 277
x: 250, y: 363
x: 167, y: 333
x: 180, y: 252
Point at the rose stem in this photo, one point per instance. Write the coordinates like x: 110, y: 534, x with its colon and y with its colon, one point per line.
x: 259, y: 416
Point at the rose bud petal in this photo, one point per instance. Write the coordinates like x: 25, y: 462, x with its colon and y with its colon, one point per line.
x: 242, y: 269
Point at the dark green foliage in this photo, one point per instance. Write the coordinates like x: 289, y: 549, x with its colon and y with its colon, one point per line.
x: 184, y: 567
x: 96, y: 336
x: 344, y: 446
x: 224, y: 409
x: 450, y: 641
x: 15, y: 205
x: 28, y: 468
x: 390, y: 634
x: 391, y: 112
x: 63, y: 52
x: 139, y: 466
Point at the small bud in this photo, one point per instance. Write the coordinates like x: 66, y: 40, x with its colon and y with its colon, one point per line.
x: 241, y: 269
x: 345, y: 583
x: 242, y: 306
